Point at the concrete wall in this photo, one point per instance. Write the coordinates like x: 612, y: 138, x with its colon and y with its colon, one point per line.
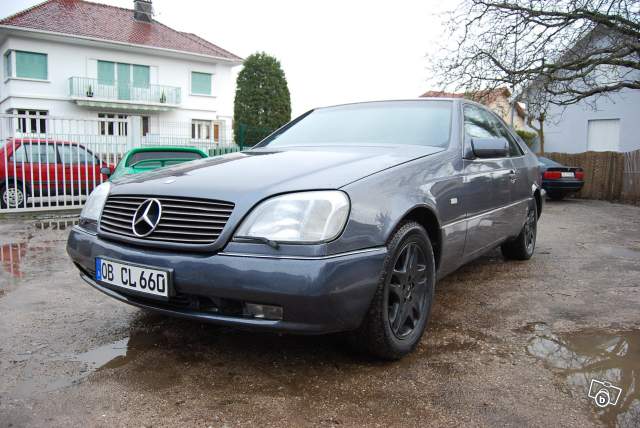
x: 566, y: 129
x: 68, y: 60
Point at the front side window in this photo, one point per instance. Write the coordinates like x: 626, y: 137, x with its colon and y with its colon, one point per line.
x: 478, y: 123
x: 31, y: 65
x: 201, y: 83
x: 422, y: 123
x: 71, y: 154
x: 514, y: 148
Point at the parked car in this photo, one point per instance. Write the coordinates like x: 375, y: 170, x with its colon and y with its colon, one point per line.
x: 42, y: 168
x: 143, y: 159
x: 341, y: 220
x: 560, y: 180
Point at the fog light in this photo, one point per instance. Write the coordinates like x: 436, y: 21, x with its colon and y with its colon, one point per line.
x: 266, y: 312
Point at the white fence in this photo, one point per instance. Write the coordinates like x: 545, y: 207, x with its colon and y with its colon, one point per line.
x: 49, y: 163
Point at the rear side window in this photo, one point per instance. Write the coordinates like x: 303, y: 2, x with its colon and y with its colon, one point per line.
x: 18, y: 155
x: 41, y: 153
x: 143, y: 156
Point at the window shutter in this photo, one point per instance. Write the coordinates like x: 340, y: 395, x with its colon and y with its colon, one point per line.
x: 31, y: 65
x: 140, y: 76
x: 200, y: 83
x: 106, y: 73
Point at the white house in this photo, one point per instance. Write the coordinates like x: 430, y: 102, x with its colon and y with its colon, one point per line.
x: 72, y: 58
x: 608, y: 123
x: 614, y: 125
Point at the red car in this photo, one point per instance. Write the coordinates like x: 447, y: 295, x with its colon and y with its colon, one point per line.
x: 40, y: 171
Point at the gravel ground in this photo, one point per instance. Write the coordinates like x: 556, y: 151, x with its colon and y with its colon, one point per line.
x: 509, y: 343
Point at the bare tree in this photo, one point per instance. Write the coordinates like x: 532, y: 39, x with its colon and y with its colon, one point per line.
x: 546, y: 51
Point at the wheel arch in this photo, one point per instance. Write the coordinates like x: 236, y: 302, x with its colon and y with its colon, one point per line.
x: 425, y: 216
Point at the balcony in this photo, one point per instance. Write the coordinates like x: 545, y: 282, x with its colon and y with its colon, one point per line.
x: 91, y: 93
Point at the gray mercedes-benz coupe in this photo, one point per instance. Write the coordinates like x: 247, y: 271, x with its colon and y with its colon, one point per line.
x: 340, y: 221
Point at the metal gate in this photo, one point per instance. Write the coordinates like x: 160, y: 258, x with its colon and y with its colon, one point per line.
x: 51, y: 163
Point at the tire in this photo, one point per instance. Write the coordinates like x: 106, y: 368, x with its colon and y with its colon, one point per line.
x: 398, y: 314
x: 524, y: 245
x: 9, y: 192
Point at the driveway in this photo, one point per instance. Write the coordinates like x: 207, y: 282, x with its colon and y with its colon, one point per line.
x: 509, y: 343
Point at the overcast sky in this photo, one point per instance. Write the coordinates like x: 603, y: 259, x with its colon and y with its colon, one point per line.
x: 331, y: 51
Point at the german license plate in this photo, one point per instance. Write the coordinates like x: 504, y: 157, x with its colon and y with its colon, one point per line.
x: 567, y: 175
x: 141, y: 279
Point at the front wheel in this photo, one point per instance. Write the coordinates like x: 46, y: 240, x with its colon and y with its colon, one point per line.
x: 400, y: 308
x: 524, y: 245
x: 12, y: 196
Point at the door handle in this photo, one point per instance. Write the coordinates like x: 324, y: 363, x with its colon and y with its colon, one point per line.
x: 513, y: 175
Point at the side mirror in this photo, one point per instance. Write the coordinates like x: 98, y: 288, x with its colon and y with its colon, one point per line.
x: 490, y: 147
x: 105, y: 170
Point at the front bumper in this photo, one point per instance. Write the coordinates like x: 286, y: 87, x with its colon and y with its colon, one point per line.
x: 318, y: 294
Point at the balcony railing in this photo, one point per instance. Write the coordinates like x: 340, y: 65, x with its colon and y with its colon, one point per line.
x: 87, y: 88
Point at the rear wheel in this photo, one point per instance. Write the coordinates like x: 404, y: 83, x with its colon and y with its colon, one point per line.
x: 400, y: 308
x: 12, y: 195
x: 524, y: 245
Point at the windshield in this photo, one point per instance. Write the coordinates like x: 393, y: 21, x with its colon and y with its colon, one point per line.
x: 548, y: 162
x: 425, y: 123
x: 162, y: 154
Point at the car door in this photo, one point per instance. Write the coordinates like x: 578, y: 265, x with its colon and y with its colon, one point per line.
x: 520, y: 185
x: 487, y: 187
x: 42, y: 163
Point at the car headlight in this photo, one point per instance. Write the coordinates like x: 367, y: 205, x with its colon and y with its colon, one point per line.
x: 95, y: 202
x: 303, y: 217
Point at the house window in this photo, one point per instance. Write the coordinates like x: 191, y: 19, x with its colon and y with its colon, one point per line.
x: 138, y: 75
x: 31, y: 121
x: 201, y: 83
x: 113, y: 124
x: 145, y: 125
x: 200, y: 129
x: 106, y: 72
x: 8, y: 67
x: 29, y: 65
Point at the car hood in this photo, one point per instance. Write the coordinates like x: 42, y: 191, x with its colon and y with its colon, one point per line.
x: 258, y: 173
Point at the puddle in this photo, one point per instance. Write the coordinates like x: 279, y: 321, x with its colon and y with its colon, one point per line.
x: 580, y: 357
x: 32, y: 246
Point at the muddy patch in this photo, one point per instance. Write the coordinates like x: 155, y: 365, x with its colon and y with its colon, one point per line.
x: 600, y: 365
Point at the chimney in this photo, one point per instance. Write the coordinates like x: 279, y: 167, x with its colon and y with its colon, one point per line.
x: 142, y: 10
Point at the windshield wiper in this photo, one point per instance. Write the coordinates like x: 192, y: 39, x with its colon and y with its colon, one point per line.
x: 258, y: 239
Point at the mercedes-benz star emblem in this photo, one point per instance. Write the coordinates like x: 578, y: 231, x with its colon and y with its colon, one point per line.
x: 146, y: 218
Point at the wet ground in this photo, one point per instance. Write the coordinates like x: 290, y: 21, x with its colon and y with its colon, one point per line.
x: 509, y: 343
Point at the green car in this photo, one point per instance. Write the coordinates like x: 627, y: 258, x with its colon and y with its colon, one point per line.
x: 145, y: 159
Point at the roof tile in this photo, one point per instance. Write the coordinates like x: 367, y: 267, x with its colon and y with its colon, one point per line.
x: 82, y: 18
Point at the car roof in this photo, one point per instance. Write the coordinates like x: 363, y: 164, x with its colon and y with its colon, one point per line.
x: 420, y: 99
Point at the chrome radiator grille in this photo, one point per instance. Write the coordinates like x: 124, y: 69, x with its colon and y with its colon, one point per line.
x: 183, y: 220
